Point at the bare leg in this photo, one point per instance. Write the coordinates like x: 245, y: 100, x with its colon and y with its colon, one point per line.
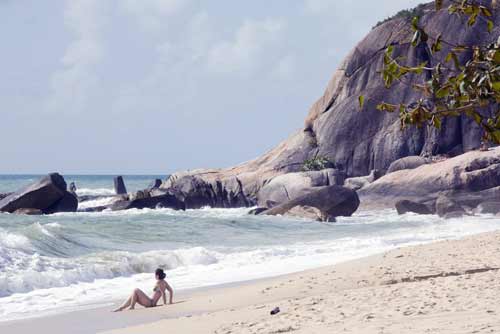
x: 125, y: 304
x: 141, y: 298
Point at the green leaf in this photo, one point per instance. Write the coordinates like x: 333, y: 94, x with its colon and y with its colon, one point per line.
x: 438, y: 4
x: 414, y: 23
x: 436, y: 121
x: 361, y: 100
x: 486, y: 12
x: 472, y: 20
x: 490, y: 25
x: 495, y: 136
x: 496, y: 86
x: 443, y: 92
x: 437, y: 46
x: 477, y: 116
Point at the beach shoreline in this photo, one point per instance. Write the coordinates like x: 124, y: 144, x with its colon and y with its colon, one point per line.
x: 451, y: 286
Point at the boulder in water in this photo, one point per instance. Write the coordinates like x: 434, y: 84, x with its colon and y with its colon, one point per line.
x: 405, y: 206
x: 68, y: 203
x: 43, y: 195
x: 164, y: 201
x: 289, y: 186
x: 119, y: 185
x: 331, y: 201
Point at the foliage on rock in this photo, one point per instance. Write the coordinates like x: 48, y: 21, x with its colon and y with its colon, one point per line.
x: 466, y: 81
x: 405, y: 14
x: 317, y: 164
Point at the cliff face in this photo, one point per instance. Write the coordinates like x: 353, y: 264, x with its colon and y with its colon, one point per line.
x: 361, y: 141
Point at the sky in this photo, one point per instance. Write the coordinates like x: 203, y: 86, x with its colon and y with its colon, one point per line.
x: 157, y: 86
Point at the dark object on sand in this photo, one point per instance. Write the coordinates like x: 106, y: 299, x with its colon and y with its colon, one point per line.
x: 120, y: 186
x: 275, y: 311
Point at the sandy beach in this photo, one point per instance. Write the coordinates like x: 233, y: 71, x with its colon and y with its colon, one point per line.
x: 444, y: 287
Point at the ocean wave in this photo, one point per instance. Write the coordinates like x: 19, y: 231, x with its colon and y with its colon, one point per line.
x: 95, y: 192
x: 33, y: 272
x: 98, y: 202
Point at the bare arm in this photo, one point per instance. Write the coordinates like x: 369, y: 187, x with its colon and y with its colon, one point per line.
x: 171, y: 293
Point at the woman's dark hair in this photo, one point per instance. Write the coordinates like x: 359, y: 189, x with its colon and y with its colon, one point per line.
x: 160, y: 274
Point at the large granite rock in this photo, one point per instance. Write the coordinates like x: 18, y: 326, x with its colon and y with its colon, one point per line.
x: 197, y: 192
x: 467, y: 176
x: 48, y: 195
x: 361, y: 141
x: 331, y: 201
x: 407, y: 163
x: 286, y: 187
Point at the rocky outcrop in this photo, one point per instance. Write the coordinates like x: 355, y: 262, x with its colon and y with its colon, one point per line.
x: 332, y: 202
x: 463, y: 176
x: 152, y: 202
x: 286, y: 187
x: 197, y: 192
x: 119, y: 184
x: 407, y: 163
x: 405, y: 206
x: 335, y: 128
x: 49, y: 195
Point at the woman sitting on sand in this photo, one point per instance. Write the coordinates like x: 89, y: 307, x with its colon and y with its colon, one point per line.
x: 138, y: 296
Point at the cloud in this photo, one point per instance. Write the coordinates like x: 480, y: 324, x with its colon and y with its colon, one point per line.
x: 248, y: 47
x: 356, y: 8
x: 151, y: 13
x: 284, y: 68
x: 71, y: 84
